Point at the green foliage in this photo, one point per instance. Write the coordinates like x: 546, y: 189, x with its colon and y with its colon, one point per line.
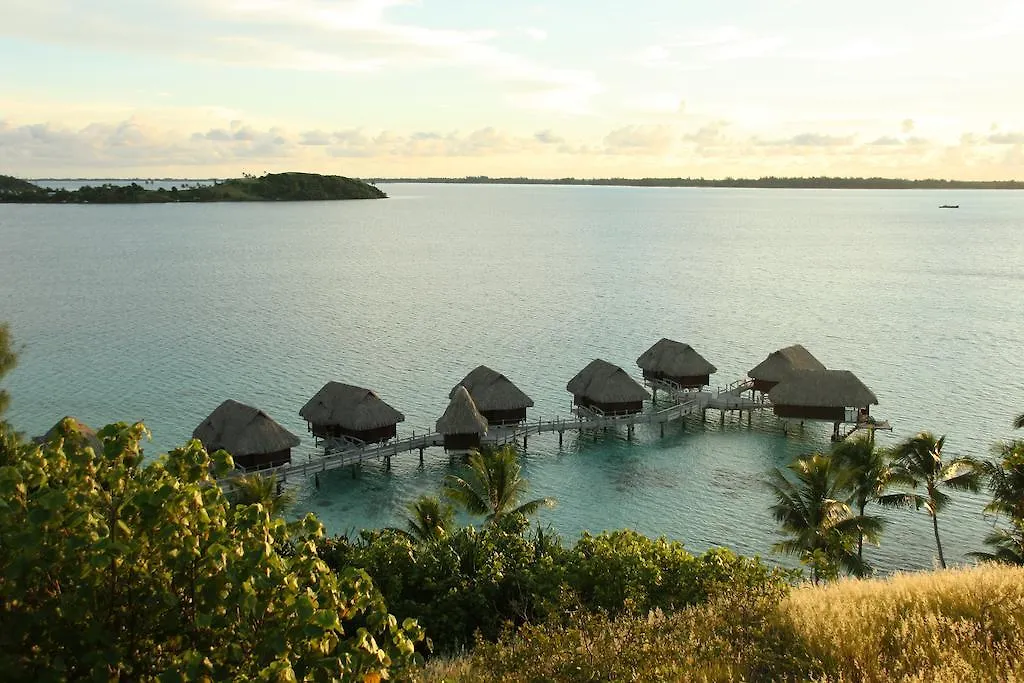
x: 477, y: 581
x: 492, y: 486
x: 8, y: 359
x: 112, y: 569
x: 430, y: 520
x: 269, y: 187
x: 868, y: 475
x: 918, y: 461
x: 1006, y: 483
x: 820, y: 527
x: 250, y: 489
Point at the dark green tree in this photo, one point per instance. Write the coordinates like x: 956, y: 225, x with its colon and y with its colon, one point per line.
x: 429, y: 520
x: 492, y: 486
x: 115, y: 569
x: 810, y: 504
x: 869, y: 474
x: 1005, y: 480
x: 919, y: 462
x: 8, y: 359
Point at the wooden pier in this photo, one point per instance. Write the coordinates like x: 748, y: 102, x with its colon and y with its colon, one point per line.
x: 339, y: 453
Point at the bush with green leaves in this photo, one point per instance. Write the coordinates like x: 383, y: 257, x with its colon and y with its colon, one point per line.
x: 115, y: 568
x: 476, y: 582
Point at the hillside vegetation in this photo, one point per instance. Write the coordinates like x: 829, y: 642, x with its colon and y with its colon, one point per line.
x: 954, y: 625
x: 269, y: 187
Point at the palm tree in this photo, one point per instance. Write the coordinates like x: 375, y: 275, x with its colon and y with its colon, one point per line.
x: 821, y: 527
x: 918, y: 460
x: 868, y: 474
x: 1018, y: 422
x: 1006, y: 482
x: 431, y: 520
x: 493, y: 487
x: 249, y: 489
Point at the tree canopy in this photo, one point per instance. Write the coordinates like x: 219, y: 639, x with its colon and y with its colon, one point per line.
x: 112, y: 569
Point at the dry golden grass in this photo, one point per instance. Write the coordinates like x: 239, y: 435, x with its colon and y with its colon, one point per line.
x: 952, y: 625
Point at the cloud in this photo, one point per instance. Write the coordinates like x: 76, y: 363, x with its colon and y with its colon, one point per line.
x: 709, y: 135
x: 537, y: 34
x: 887, y: 141
x: 640, y: 139
x: 812, y: 140
x: 1011, y: 138
x: 340, y: 36
x: 546, y: 137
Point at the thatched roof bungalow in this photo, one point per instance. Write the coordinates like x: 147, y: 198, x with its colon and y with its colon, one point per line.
x: 251, y: 436
x: 821, y: 395
x: 607, y: 388
x: 779, y: 364
x: 675, y: 362
x: 345, y: 411
x: 462, y: 424
x: 72, y: 430
x: 496, y: 397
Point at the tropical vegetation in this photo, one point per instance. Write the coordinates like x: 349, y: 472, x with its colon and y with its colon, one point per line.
x: 919, y: 461
x: 116, y: 568
x: 249, y: 188
x: 811, y: 506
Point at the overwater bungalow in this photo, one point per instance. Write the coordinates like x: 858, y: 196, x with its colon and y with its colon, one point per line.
x: 251, y: 436
x: 835, y: 396
x: 499, y: 400
x: 607, y: 388
x: 343, y: 411
x: 674, y: 364
x: 72, y: 428
x: 462, y: 425
x: 780, y: 364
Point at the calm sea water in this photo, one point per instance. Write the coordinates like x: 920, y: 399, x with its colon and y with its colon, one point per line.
x: 161, y: 312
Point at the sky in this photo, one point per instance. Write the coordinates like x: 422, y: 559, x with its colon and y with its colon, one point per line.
x: 598, y: 88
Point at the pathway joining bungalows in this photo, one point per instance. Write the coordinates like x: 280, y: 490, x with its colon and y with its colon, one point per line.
x: 251, y: 436
x: 353, y: 424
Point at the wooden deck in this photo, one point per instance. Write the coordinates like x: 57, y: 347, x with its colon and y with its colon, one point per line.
x: 338, y: 453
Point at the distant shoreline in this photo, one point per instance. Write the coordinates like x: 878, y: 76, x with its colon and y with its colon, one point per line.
x: 751, y: 183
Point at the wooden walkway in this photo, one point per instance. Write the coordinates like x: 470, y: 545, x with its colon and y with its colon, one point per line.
x: 310, y: 462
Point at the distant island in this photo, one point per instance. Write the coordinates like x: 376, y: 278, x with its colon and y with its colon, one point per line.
x: 823, y: 182
x: 290, y: 187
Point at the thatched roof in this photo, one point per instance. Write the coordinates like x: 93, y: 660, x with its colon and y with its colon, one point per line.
x: 822, y: 389
x: 61, y: 430
x: 603, y: 382
x: 779, y: 364
x: 491, y: 390
x: 674, y: 359
x: 349, y: 407
x: 243, y: 430
x: 461, y: 416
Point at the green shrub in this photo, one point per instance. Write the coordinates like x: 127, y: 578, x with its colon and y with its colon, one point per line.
x: 111, y: 569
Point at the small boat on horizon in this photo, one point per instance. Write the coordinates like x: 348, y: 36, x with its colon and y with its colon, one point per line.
x: 950, y: 206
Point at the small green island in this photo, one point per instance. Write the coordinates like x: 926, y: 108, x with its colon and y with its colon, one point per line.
x: 283, y: 187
